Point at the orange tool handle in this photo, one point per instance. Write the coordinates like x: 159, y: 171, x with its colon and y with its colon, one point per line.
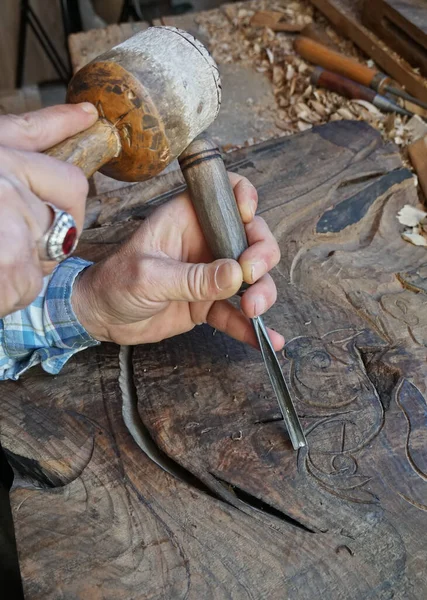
x: 342, y: 85
x: 328, y: 59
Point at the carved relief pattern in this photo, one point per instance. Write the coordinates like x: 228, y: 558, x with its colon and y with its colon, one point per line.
x: 405, y: 445
x: 343, y: 414
x: 341, y: 406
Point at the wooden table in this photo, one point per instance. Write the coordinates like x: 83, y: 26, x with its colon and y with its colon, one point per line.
x: 203, y: 497
x: 210, y: 501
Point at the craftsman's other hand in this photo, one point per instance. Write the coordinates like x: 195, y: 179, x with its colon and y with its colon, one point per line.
x: 27, y: 181
x: 162, y: 282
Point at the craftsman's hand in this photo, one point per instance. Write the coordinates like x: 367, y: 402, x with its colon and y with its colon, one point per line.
x: 162, y: 282
x: 27, y: 181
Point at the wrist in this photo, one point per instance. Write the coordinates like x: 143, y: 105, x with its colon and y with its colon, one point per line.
x: 85, y: 303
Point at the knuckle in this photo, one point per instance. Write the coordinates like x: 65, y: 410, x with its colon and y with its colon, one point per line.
x: 198, y: 281
x: 258, y: 225
x: 29, y: 126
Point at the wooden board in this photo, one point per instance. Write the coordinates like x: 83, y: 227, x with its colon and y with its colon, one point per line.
x: 19, y: 101
x: 402, y: 24
x: 346, y: 16
x: 87, y: 45
x: 237, y: 514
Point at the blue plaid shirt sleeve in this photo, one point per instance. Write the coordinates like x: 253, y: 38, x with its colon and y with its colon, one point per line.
x: 47, y: 332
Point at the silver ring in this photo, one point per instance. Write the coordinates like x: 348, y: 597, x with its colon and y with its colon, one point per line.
x: 60, y: 240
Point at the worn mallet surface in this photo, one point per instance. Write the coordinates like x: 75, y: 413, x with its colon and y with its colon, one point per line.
x: 155, y: 93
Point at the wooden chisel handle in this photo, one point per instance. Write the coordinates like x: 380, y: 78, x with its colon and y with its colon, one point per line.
x: 334, y: 61
x: 90, y: 149
x: 213, y: 198
x: 341, y: 85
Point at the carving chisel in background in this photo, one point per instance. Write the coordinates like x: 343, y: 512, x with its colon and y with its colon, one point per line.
x: 319, y: 54
x: 213, y: 198
x: 355, y: 91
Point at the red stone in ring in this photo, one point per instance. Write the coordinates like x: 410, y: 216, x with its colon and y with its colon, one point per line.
x: 60, y: 239
x: 69, y: 240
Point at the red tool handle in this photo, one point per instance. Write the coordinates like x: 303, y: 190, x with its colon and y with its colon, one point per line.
x: 341, y: 85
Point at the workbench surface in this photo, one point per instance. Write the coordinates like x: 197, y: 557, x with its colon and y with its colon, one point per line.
x: 231, y: 511
x: 211, y: 502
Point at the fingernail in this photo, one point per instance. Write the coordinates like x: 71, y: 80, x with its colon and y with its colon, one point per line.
x: 258, y: 269
x: 254, y: 206
x: 252, y: 200
x: 89, y: 108
x: 259, y: 305
x: 224, y: 276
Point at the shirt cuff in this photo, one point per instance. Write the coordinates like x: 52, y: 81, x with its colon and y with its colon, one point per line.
x: 47, y: 332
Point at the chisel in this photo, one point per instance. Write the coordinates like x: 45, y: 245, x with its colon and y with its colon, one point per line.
x: 213, y: 199
x: 319, y: 54
x: 350, y: 89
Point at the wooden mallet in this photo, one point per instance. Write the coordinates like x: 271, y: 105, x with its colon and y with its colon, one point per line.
x: 155, y: 93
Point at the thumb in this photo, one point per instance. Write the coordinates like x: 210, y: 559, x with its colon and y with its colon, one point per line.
x: 196, y: 282
x: 36, y: 131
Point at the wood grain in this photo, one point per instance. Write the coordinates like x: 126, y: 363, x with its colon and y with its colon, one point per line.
x: 212, y: 196
x: 345, y: 15
x: 418, y: 155
x: 160, y: 89
x: 90, y: 149
x: 402, y: 24
x: 317, y: 33
x: 96, y: 518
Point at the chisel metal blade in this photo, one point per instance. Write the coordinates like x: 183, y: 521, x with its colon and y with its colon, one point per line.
x: 396, y: 92
x: 290, y: 417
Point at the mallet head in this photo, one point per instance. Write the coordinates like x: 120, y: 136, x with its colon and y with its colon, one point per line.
x: 160, y: 88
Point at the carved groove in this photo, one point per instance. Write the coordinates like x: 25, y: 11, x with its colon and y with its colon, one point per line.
x: 146, y: 443
x: 383, y: 377
x: 29, y: 473
x: 139, y: 431
x: 260, y: 505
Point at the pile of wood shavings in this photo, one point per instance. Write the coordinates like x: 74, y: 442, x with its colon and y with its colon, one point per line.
x: 415, y: 220
x: 299, y: 105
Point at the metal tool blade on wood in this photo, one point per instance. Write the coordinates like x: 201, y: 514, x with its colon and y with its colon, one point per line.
x: 218, y: 214
x: 280, y: 387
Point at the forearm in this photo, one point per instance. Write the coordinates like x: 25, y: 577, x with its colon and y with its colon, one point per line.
x: 47, y: 332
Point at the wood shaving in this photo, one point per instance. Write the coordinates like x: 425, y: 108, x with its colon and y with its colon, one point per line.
x: 414, y: 238
x: 411, y: 216
x: 418, y: 127
x: 415, y: 219
x: 276, y: 21
x: 236, y: 37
